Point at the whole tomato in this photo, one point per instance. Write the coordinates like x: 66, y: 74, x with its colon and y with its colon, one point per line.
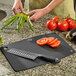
x: 72, y: 24
x: 62, y: 25
x: 68, y: 20
x: 48, y: 23
x: 56, y: 19
x: 51, y: 25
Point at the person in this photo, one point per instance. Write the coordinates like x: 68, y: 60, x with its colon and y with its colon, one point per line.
x: 40, y: 8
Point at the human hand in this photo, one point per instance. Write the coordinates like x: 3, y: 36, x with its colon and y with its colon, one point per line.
x: 17, y: 5
x: 36, y: 14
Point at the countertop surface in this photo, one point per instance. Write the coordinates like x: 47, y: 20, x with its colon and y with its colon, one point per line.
x: 67, y: 66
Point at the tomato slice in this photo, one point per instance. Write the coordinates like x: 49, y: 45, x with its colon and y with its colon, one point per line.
x: 54, y: 41
x: 42, y: 41
x: 56, y: 44
x: 50, y: 39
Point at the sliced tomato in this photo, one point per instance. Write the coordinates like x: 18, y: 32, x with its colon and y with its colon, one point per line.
x: 54, y: 41
x: 56, y: 44
x: 50, y: 39
x: 42, y: 41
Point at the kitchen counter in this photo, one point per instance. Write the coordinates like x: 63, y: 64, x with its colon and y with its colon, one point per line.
x: 67, y: 66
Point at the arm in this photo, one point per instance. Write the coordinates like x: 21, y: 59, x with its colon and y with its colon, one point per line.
x: 52, y: 5
x: 17, y: 5
x: 38, y: 13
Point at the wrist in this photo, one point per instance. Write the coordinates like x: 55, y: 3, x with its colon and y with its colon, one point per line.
x: 46, y: 9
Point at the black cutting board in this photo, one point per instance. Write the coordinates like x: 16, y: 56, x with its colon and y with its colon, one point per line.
x: 19, y: 63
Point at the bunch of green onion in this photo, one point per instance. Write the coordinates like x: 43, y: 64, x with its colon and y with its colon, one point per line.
x: 21, y: 18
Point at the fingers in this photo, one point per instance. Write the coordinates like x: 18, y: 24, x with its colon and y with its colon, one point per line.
x: 16, y: 8
x: 21, y: 8
x: 31, y: 13
x: 15, y: 11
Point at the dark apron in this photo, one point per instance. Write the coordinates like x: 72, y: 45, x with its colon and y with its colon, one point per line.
x: 75, y: 5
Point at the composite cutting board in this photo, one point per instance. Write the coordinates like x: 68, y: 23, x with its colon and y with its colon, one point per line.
x: 20, y: 63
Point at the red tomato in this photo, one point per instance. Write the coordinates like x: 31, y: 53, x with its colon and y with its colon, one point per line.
x: 56, y: 19
x: 68, y: 20
x: 42, y: 41
x: 72, y: 24
x: 62, y: 25
x: 51, y: 25
x: 50, y: 39
x: 48, y: 23
x: 56, y: 44
x: 53, y: 41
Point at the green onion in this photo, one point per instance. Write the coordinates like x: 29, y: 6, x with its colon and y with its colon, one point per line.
x: 21, y: 18
x: 9, y: 18
x: 21, y: 23
x: 0, y: 39
x: 29, y: 23
x: 14, y: 21
x: 18, y: 22
x: 7, y: 23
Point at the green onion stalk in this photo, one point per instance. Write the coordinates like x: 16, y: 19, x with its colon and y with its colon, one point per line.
x: 21, y: 18
x: 1, y: 40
